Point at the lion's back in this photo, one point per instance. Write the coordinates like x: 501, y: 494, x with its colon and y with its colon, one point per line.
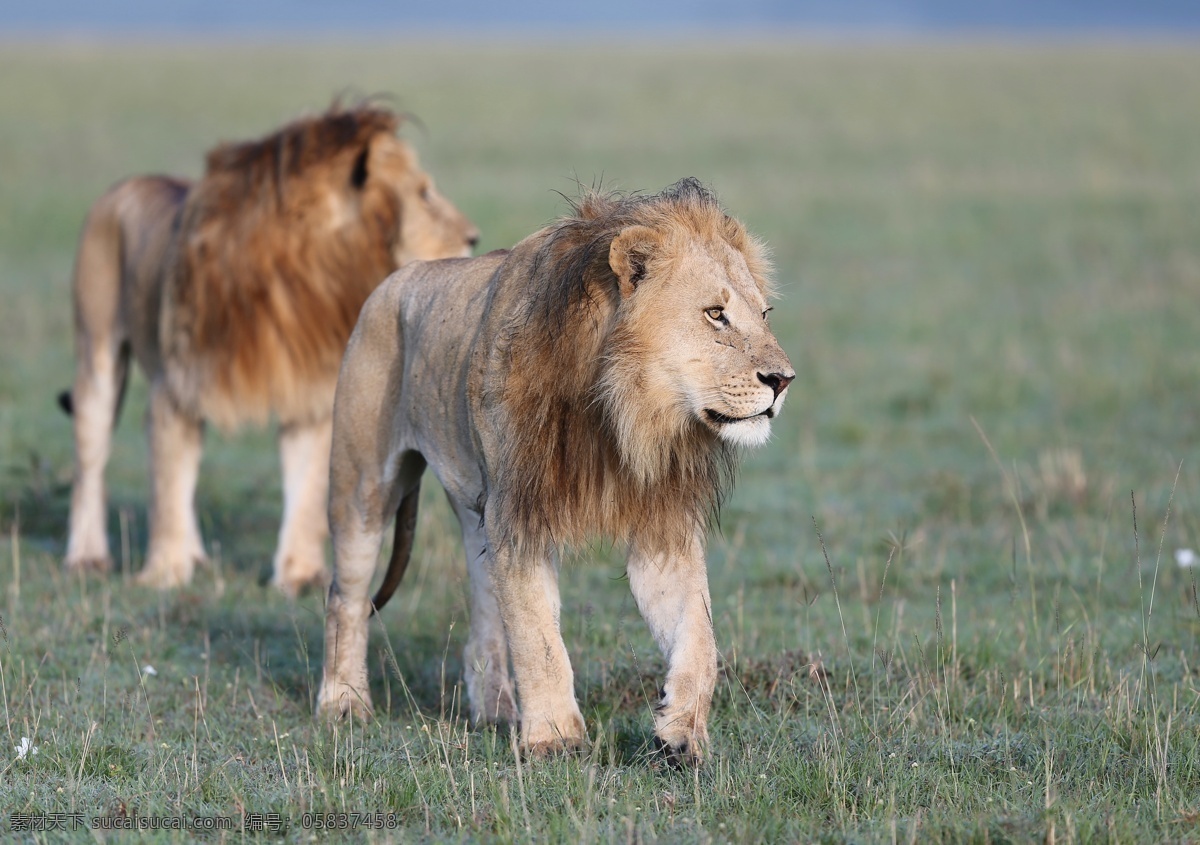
x: 442, y: 305
x: 412, y: 346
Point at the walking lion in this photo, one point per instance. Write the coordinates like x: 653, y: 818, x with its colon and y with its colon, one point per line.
x: 599, y: 379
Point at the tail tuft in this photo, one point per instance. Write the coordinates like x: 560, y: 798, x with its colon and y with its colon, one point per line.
x: 64, y: 402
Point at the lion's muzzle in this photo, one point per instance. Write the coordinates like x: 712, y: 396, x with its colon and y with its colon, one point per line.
x: 778, y: 382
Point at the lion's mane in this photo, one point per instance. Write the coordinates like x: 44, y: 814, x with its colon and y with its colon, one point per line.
x: 585, y: 453
x: 263, y: 296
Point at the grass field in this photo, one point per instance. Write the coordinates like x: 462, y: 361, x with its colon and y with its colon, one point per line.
x: 990, y: 264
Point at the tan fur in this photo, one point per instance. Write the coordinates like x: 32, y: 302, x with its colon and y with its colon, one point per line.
x: 597, y: 380
x: 237, y: 294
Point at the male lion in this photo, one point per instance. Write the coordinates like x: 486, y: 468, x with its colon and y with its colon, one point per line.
x: 237, y: 293
x: 598, y: 379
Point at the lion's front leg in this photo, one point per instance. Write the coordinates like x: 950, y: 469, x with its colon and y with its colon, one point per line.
x: 527, y: 591
x: 176, y: 441
x: 304, y: 456
x: 671, y: 592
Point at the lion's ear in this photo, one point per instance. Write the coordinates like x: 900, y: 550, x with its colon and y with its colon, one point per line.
x: 630, y: 251
x: 358, y: 172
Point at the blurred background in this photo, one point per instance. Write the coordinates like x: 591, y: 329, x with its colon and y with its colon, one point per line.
x: 625, y: 17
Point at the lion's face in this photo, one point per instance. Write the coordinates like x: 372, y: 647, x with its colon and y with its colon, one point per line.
x: 430, y: 225
x: 709, y: 355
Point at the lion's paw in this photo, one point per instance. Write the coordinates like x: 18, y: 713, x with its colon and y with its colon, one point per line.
x: 680, y: 724
x: 567, y: 737
x: 502, y: 710
x: 345, y: 703
x: 169, y: 565
x: 553, y: 748
x: 163, y: 576
x: 495, y: 703
x: 295, y: 581
x: 100, y: 564
x: 684, y: 753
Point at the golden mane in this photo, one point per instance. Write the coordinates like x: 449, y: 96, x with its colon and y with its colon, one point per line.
x: 585, y: 454
x: 263, y: 169
x: 280, y: 243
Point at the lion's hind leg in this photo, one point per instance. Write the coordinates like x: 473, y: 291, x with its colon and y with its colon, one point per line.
x: 300, y: 556
x: 176, y: 442
x: 357, y: 518
x: 101, y: 370
x: 372, y: 470
x: 95, y: 397
x: 485, y: 658
x: 345, y: 689
x: 671, y: 592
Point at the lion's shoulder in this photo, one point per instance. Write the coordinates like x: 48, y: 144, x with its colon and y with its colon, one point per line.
x: 447, y: 295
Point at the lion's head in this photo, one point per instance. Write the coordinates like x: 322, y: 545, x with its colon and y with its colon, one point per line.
x: 280, y: 244
x: 692, y: 344
x: 429, y: 226
x: 643, y: 360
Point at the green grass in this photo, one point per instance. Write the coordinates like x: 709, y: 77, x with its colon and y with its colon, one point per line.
x: 990, y: 263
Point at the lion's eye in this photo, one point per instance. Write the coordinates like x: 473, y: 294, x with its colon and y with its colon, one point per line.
x: 717, y: 315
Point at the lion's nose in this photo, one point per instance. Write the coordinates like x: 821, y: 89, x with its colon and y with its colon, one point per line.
x: 473, y: 239
x: 778, y: 382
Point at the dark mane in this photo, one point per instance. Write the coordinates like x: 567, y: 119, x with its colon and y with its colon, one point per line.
x: 267, y: 165
x: 574, y: 258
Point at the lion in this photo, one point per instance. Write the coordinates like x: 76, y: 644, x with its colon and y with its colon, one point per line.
x: 598, y: 380
x: 236, y: 294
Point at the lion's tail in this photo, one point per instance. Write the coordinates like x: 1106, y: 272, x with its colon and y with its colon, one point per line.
x: 406, y: 528
x: 67, y: 402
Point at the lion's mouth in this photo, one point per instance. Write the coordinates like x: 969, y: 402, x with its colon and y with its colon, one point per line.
x: 724, y: 419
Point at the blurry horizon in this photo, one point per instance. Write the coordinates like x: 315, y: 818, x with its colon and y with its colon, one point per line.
x: 627, y: 17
